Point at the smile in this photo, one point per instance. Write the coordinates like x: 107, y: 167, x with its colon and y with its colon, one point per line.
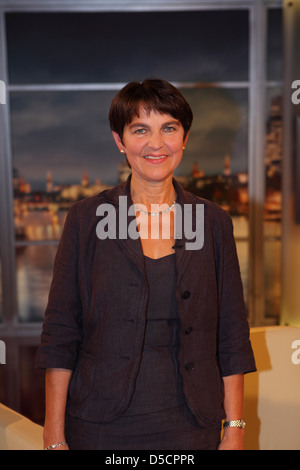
x: 151, y: 157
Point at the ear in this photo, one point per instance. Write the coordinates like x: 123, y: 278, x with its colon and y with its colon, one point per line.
x: 119, y: 142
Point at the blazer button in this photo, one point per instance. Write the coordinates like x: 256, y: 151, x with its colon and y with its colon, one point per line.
x: 185, y: 294
x: 188, y: 330
x: 189, y: 366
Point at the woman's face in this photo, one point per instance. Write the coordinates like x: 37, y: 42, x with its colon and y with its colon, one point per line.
x: 153, y: 144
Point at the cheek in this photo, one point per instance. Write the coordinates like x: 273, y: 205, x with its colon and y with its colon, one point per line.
x: 176, y: 146
x: 134, y: 147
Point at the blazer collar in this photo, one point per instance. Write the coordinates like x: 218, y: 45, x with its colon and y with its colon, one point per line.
x: 133, y: 247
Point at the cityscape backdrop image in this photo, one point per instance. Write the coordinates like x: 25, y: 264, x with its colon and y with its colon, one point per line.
x: 40, y: 208
x: 61, y: 142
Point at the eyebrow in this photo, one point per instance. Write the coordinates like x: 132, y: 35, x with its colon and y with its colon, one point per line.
x: 143, y: 124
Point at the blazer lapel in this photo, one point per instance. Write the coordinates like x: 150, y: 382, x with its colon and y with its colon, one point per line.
x: 183, y: 255
x: 127, y: 235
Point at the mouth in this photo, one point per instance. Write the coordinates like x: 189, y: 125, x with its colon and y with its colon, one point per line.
x: 155, y: 158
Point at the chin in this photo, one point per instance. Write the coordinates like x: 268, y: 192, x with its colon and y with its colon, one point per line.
x: 159, y: 177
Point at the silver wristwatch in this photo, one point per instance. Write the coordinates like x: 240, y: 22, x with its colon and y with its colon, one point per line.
x: 236, y: 423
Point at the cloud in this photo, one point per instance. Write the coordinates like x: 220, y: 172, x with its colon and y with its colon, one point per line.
x: 65, y: 133
x: 68, y: 132
x: 219, y: 128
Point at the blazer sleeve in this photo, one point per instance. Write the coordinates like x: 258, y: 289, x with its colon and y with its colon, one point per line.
x: 62, y: 331
x: 234, y: 347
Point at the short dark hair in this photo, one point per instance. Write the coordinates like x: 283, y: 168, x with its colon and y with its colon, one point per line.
x: 153, y: 95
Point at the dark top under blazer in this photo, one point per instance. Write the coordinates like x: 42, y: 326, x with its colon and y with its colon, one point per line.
x: 96, y: 313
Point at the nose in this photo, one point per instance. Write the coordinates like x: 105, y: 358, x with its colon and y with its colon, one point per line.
x: 156, y: 141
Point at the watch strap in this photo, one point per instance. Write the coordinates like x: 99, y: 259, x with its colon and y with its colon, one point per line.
x: 236, y: 423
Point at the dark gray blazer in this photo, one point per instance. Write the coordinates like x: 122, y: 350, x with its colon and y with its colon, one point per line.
x: 96, y: 313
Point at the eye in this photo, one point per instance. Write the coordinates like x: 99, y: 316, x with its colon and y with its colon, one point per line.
x: 140, y: 131
x: 169, y: 129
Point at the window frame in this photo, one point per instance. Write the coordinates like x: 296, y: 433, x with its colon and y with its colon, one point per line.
x: 257, y: 85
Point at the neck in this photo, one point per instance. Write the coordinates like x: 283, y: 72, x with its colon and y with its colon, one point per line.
x: 152, y: 192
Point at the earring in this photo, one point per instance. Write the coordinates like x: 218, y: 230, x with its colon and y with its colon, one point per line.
x: 183, y: 148
x: 122, y: 151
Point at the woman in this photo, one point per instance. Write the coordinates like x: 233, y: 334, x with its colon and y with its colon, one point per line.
x: 145, y: 338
